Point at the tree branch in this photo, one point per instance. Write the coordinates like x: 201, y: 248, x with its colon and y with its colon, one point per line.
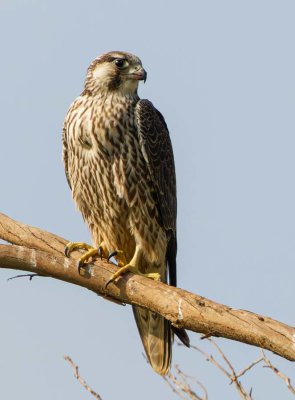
x: 41, y: 252
x: 80, y: 379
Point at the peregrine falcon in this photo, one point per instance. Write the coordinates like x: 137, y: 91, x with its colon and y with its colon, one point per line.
x: 119, y: 164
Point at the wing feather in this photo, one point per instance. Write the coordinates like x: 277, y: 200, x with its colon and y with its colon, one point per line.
x: 158, y: 153
x: 65, y: 151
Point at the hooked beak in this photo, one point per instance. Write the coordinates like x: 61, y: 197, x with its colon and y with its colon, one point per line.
x: 139, y: 74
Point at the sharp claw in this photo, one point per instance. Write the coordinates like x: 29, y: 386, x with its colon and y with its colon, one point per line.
x: 66, y: 251
x: 113, y: 254
x: 100, y: 252
x: 80, y: 265
x: 108, y: 282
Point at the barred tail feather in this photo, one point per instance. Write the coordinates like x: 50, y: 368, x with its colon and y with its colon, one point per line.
x: 157, y: 338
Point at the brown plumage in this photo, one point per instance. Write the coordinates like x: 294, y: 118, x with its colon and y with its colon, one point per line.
x: 119, y: 164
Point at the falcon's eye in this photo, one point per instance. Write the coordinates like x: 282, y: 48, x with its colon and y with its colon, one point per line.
x: 121, y: 63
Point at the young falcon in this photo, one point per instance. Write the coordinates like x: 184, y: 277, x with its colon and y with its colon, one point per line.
x: 119, y: 164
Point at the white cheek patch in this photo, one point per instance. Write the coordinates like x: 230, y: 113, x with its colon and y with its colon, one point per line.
x: 102, y: 71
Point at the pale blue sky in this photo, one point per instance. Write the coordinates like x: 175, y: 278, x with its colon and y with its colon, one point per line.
x: 222, y: 74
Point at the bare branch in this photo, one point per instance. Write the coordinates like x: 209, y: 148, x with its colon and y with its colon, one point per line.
x: 173, y: 384
x: 30, y: 276
x: 226, y: 360
x: 181, y: 386
x: 38, y: 251
x: 212, y: 360
x: 243, y: 372
x: 231, y: 374
x: 285, y: 378
x: 80, y: 379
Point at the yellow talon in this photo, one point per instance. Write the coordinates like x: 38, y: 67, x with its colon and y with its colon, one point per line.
x: 86, y: 256
x: 131, y: 267
x: 90, y: 251
x: 71, y: 246
x: 153, y: 275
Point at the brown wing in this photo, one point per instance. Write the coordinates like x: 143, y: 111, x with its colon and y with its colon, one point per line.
x: 157, y: 150
x: 158, y: 153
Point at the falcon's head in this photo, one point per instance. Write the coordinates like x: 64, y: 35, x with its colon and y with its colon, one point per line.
x: 115, y: 71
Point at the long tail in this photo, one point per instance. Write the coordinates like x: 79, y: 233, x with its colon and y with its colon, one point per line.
x: 157, y: 338
x: 156, y: 332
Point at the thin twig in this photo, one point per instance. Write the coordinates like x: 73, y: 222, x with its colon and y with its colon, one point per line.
x: 226, y: 360
x: 233, y: 377
x: 185, y: 377
x: 174, y: 386
x: 211, y: 359
x: 231, y: 373
x: 31, y: 276
x: 249, y: 367
x: 285, y: 378
x: 182, y: 387
x: 80, y: 379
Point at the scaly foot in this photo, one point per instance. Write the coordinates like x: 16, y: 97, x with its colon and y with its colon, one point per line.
x: 130, y: 267
x: 90, y: 252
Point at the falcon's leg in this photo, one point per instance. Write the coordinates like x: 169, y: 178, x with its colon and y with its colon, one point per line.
x: 90, y: 251
x: 132, y: 266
